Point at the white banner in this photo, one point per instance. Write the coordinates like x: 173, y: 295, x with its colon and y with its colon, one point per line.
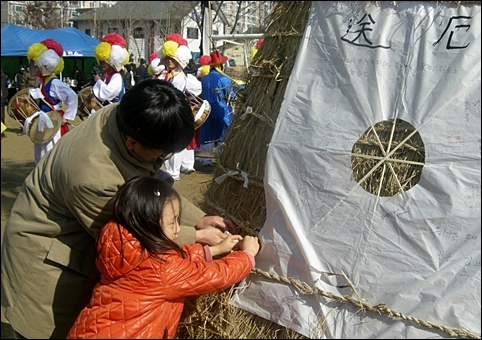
x: 418, y: 252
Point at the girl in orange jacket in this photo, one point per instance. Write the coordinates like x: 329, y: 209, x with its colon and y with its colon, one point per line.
x: 145, y: 274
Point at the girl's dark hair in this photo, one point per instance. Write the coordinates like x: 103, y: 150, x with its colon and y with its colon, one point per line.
x: 157, y: 115
x: 138, y: 206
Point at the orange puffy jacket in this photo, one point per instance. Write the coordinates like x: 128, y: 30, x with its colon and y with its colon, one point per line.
x: 144, y: 297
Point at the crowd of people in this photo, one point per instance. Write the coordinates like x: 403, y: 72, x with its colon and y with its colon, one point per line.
x: 98, y: 243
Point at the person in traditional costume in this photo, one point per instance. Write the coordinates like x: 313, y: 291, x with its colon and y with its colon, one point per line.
x: 45, y: 62
x: 219, y: 90
x: 253, y: 71
x: 255, y: 49
x: 175, y: 55
x: 204, y: 61
x: 193, y: 94
x: 155, y: 68
x: 112, y: 56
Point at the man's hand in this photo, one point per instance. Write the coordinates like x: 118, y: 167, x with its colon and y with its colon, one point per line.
x: 216, y: 222
x: 210, y: 236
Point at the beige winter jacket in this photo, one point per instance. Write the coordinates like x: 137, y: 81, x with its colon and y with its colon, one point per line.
x: 48, y: 249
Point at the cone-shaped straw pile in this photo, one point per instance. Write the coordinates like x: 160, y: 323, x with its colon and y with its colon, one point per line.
x: 245, y: 148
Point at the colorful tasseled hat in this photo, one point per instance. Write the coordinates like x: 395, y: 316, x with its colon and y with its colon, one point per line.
x: 155, y: 66
x: 112, y: 51
x: 255, y: 49
x: 176, y: 48
x: 47, y: 55
x: 204, y: 61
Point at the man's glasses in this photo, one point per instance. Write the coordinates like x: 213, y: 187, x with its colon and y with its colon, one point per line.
x: 163, y: 157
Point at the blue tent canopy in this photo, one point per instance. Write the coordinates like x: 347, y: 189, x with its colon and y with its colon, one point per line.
x: 16, y: 40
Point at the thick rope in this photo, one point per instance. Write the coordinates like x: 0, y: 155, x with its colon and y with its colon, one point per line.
x: 380, y: 309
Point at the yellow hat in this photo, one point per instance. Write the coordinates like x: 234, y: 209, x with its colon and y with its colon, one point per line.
x: 112, y: 51
x: 47, y: 55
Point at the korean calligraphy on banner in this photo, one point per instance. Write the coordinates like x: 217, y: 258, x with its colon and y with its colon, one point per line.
x: 372, y: 178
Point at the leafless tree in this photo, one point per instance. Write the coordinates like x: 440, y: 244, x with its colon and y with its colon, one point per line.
x: 46, y: 14
x: 243, y: 8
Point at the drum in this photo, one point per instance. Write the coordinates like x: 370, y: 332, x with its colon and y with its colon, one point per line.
x: 23, y: 108
x: 200, y: 108
x: 200, y: 112
x: 22, y: 105
x: 88, y: 104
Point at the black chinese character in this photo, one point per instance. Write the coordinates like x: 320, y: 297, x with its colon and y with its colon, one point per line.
x: 362, y: 32
x: 449, y: 41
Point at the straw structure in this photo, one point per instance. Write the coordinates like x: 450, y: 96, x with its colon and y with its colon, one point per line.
x: 387, y: 160
x: 245, y: 148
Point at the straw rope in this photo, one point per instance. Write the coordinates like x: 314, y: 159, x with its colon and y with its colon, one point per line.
x: 380, y: 309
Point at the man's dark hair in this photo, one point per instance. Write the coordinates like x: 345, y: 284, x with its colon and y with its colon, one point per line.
x: 157, y: 115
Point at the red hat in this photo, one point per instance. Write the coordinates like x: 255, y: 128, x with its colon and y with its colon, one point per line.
x: 217, y: 58
x: 204, y: 60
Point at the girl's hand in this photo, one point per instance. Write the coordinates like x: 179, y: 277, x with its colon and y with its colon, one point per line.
x: 250, y: 245
x: 226, y: 245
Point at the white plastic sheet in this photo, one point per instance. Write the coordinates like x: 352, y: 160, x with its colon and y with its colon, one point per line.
x: 360, y: 63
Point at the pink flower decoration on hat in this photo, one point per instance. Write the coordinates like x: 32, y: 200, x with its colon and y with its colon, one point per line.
x: 176, y: 37
x: 258, y: 43
x: 204, y: 60
x: 153, y: 56
x: 114, y: 39
x: 52, y: 44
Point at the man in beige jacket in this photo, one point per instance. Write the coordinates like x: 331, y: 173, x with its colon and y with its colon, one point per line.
x: 48, y: 249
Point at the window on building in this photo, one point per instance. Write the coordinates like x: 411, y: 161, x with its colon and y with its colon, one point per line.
x: 75, y: 14
x: 192, y: 33
x: 92, y: 4
x: 75, y: 3
x: 112, y: 29
x: 18, y: 8
x: 215, y: 32
x: 87, y: 31
x: 139, y: 32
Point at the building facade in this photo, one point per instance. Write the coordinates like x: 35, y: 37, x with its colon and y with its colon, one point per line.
x: 145, y: 24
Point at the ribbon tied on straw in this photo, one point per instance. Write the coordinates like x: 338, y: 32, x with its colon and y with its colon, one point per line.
x: 249, y: 110
x: 232, y: 173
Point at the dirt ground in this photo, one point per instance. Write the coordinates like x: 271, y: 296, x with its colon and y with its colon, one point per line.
x: 17, y: 162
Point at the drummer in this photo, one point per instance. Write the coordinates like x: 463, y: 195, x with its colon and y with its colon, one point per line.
x: 175, y: 55
x: 45, y: 62
x: 111, y: 55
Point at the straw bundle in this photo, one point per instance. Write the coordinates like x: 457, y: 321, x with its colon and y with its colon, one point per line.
x: 246, y: 145
x: 246, y: 142
x: 240, y: 196
x: 403, y: 143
